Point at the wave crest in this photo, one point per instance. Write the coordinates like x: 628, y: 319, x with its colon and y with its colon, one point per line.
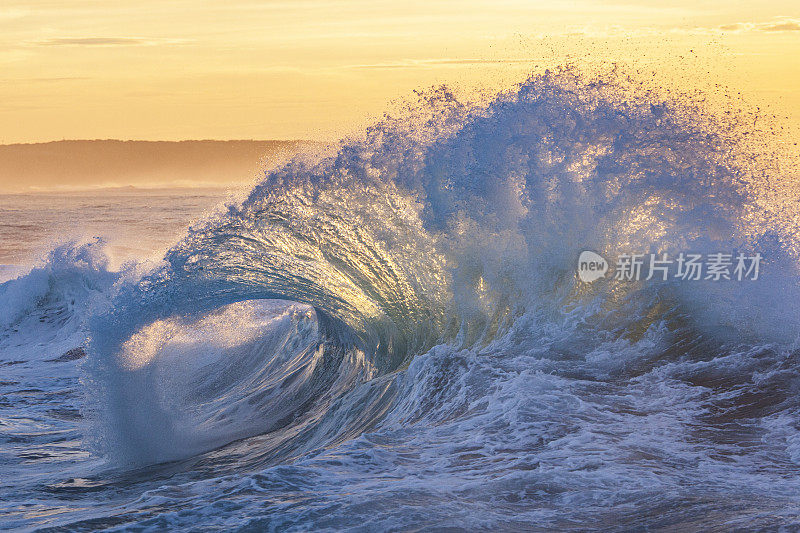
x: 450, y: 222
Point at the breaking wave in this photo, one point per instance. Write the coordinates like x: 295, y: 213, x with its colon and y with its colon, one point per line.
x: 414, y: 295
x: 453, y: 225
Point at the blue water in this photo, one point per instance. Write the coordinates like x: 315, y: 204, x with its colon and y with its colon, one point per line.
x: 394, y: 337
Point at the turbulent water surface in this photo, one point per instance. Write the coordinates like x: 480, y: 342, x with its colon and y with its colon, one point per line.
x: 394, y: 337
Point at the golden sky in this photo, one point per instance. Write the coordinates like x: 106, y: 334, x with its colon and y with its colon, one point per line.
x: 239, y: 69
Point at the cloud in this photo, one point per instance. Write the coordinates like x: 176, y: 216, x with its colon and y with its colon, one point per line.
x: 786, y: 25
x: 106, y: 41
x: 43, y: 80
x: 777, y: 25
x: 12, y: 13
x: 780, y: 25
x: 93, y: 41
x: 426, y: 63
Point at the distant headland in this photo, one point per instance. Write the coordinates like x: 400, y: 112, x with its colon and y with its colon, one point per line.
x: 88, y: 164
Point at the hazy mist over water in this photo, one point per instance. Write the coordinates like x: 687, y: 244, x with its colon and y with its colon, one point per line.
x: 135, y: 222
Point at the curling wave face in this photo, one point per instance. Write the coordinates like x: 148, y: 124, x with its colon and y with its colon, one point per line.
x: 403, y: 319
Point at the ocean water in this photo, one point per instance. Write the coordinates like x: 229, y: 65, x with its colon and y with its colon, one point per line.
x: 135, y: 223
x: 394, y: 337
